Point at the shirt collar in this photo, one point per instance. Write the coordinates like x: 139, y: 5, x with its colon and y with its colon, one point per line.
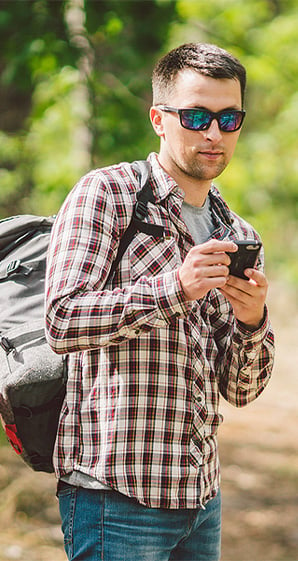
x: 220, y: 207
x: 165, y: 185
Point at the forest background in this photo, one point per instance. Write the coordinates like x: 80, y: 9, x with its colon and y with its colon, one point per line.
x: 75, y: 90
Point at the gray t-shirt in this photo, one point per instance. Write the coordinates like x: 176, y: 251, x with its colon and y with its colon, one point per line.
x: 199, y: 221
x: 80, y: 479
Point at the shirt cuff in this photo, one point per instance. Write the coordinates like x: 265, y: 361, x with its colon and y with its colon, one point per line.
x: 256, y: 334
x: 169, y: 297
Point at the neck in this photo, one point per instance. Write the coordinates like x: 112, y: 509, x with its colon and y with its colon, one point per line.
x: 195, y: 190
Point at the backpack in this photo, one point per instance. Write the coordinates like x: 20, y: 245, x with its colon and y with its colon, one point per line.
x: 32, y: 377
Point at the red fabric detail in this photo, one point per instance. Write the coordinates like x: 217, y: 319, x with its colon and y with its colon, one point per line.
x: 11, y: 431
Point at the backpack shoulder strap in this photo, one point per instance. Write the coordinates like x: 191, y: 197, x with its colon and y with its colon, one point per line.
x: 145, y: 195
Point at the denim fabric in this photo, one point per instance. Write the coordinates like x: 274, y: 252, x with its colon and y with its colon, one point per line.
x: 105, y: 525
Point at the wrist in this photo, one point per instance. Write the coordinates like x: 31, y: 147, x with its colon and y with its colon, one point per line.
x: 254, y: 324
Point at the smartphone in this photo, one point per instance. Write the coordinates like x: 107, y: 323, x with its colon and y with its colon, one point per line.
x: 244, y: 258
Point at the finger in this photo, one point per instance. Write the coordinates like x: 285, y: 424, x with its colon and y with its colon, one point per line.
x: 218, y: 246
x: 216, y: 260
x: 248, y: 292
x: 216, y: 270
x: 257, y: 276
x: 202, y: 254
x: 241, y: 289
x: 234, y: 293
x: 238, y: 283
x: 247, y: 285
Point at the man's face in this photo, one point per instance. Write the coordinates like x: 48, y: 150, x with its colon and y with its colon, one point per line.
x: 201, y: 155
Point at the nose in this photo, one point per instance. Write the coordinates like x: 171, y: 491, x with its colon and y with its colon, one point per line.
x: 213, y: 132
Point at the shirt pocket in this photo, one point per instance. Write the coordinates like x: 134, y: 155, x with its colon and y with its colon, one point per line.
x: 149, y: 256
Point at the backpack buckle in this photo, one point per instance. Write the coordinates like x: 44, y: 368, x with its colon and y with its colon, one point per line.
x: 141, y: 210
x: 13, y: 266
x: 6, y: 344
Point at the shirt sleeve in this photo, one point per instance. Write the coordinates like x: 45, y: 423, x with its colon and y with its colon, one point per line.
x: 245, y: 357
x: 80, y: 313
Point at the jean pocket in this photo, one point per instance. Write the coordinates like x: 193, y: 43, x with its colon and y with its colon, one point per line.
x: 67, y: 495
x: 64, y: 488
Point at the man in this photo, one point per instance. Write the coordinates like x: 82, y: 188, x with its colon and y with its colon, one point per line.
x: 151, y: 349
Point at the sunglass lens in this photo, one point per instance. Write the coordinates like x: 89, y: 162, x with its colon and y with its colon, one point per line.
x: 195, y: 120
x: 230, y: 121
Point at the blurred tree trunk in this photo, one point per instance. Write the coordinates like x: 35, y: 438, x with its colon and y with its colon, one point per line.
x: 75, y: 19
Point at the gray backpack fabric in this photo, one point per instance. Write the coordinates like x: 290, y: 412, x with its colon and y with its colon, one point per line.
x: 32, y: 376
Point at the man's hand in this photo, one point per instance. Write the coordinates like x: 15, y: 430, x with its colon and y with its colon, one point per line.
x: 206, y: 267
x: 247, y: 297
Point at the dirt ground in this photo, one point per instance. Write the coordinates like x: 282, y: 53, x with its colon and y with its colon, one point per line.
x: 258, y: 450
x: 259, y: 455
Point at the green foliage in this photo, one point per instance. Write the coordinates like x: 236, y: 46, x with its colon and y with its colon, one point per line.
x: 34, y: 63
x: 59, y: 159
x: 74, y: 116
x: 126, y: 39
x: 261, y: 183
x: 3, y: 438
x: 75, y: 93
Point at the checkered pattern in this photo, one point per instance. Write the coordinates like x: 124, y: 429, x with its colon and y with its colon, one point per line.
x: 146, y: 367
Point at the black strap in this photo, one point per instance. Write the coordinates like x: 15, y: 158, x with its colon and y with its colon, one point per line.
x: 145, y: 195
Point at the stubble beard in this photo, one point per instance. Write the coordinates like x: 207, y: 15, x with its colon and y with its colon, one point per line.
x: 203, y: 172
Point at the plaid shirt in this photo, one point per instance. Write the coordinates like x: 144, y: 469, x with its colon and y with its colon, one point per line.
x: 146, y: 367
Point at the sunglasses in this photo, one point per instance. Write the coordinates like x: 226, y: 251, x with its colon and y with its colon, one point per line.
x: 229, y: 120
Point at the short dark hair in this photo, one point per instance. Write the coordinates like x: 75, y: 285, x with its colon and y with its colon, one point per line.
x: 205, y: 58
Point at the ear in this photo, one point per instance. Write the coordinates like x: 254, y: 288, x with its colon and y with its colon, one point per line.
x: 156, y: 117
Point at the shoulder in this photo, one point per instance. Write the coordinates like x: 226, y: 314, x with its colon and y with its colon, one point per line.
x: 111, y: 189
x: 118, y: 180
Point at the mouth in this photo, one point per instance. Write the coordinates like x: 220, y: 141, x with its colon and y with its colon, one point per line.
x: 211, y: 155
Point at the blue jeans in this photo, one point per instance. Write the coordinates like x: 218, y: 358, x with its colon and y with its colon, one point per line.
x: 105, y: 525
